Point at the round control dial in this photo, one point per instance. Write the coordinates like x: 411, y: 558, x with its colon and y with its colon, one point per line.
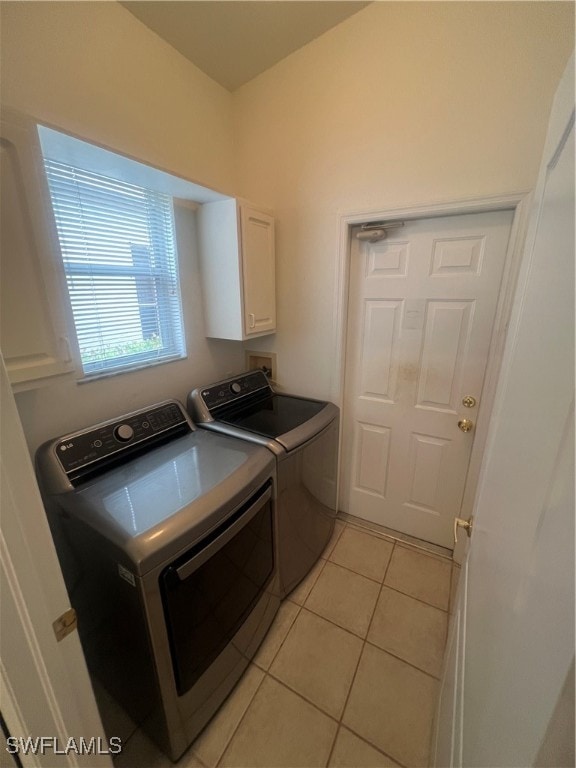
x: 123, y: 433
x: 235, y: 388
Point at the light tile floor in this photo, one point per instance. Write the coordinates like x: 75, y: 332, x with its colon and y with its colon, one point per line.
x: 348, y: 674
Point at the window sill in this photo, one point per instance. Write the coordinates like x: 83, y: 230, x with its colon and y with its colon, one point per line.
x: 108, y: 374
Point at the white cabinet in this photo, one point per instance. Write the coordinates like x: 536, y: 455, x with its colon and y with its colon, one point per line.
x: 32, y: 321
x: 238, y: 270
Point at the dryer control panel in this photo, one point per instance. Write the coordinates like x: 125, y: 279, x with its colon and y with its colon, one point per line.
x: 231, y: 390
x: 84, y: 451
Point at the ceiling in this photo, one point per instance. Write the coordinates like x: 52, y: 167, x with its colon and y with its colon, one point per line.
x: 232, y: 41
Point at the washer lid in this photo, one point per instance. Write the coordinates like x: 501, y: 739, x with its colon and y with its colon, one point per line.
x: 290, y: 421
x: 159, y: 504
x: 273, y: 415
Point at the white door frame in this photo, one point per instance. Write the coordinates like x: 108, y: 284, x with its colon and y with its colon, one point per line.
x: 45, y: 689
x: 520, y: 203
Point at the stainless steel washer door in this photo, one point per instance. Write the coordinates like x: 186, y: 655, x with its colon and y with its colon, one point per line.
x: 209, y: 591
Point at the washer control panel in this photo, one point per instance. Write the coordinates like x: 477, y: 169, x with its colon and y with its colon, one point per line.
x: 76, y: 451
x: 228, y: 391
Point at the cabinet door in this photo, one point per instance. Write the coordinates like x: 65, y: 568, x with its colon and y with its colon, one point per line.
x: 33, y: 336
x: 258, y: 268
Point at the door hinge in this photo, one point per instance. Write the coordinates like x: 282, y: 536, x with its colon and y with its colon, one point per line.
x: 65, y: 624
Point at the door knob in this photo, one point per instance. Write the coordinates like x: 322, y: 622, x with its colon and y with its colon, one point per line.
x: 465, y: 425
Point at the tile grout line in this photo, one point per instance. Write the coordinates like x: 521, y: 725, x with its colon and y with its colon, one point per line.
x: 374, y: 645
x: 425, y: 552
x: 395, y: 589
x: 340, y: 724
x: 311, y: 587
x: 408, y: 663
x: 264, y: 675
x: 419, y: 544
x: 338, y: 721
x: 333, y: 547
x: 348, y: 568
x: 302, y: 696
x: 374, y: 581
x: 333, y: 623
x: 191, y: 752
x: 299, y: 607
x: 367, y: 741
x: 266, y: 672
x: 219, y: 761
x: 364, y: 638
x: 421, y: 600
x: 326, y: 558
x: 418, y: 599
x: 379, y: 593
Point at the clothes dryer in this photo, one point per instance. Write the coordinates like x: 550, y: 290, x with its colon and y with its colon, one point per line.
x: 302, y: 433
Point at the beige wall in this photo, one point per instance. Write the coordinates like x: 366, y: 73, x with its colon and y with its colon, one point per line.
x: 405, y: 103
x: 94, y: 70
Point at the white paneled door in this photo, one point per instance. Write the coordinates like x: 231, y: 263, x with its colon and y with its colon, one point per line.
x: 420, y: 316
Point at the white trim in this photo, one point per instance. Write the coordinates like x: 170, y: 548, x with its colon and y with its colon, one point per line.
x: 13, y: 717
x: 58, y: 144
x: 520, y: 203
x: 46, y: 689
x: 27, y: 628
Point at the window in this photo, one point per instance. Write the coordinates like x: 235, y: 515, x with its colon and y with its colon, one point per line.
x: 117, y: 244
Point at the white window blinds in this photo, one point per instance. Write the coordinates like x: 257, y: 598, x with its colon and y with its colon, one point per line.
x: 117, y: 244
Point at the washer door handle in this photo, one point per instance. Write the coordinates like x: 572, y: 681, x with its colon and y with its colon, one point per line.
x: 223, y: 534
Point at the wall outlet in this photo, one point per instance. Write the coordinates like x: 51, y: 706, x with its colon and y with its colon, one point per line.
x: 262, y: 361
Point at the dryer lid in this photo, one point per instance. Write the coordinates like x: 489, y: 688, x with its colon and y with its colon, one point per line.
x: 153, y: 507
